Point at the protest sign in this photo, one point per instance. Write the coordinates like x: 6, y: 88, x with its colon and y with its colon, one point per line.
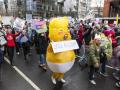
x: 40, y: 26
x: 19, y: 23
x: 29, y: 18
x: 6, y: 20
x: 64, y: 46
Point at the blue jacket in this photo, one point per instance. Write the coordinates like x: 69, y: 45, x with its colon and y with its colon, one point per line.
x: 24, y: 39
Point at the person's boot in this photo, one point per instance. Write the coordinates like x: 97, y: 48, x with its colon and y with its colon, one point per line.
x: 11, y: 63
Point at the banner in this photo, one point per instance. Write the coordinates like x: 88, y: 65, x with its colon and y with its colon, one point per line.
x: 64, y: 46
x: 19, y: 23
x: 6, y: 20
x: 40, y: 26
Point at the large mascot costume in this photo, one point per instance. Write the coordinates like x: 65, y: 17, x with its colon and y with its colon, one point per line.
x: 59, y: 63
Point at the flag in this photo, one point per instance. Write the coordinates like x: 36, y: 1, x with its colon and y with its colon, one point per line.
x: 117, y: 19
x: 40, y: 26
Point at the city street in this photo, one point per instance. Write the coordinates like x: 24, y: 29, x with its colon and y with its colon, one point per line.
x: 76, y: 79
x: 60, y: 28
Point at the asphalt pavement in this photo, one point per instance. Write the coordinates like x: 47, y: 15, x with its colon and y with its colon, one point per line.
x: 28, y: 76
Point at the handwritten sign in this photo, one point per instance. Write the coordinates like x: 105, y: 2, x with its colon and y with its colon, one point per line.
x: 64, y: 46
x: 19, y: 23
x: 7, y: 20
x: 29, y: 18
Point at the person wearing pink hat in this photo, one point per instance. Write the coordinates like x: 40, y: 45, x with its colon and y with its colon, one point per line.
x: 93, y: 58
x: 111, y: 34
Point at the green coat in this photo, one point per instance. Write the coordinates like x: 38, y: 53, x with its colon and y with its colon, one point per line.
x: 93, y: 54
x: 106, y: 45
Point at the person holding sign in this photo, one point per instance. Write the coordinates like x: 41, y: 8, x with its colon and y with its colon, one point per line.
x: 93, y: 57
x: 61, y: 62
x: 24, y: 41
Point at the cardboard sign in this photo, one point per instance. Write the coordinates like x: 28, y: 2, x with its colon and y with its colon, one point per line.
x: 29, y: 18
x: 19, y: 23
x: 40, y: 26
x: 7, y: 20
x: 64, y: 46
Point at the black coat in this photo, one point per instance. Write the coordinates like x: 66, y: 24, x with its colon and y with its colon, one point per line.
x: 41, y: 44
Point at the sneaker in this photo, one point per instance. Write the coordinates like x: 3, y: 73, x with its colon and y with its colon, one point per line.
x: 44, y: 68
x: 18, y: 53
x: 40, y: 65
x: 93, y: 82
x: 62, y: 80
x: 118, y: 84
x: 104, y: 74
x: 116, y: 77
x: 53, y: 80
x: 12, y: 64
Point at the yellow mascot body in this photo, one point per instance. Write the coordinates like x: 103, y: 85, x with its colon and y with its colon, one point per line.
x: 59, y: 63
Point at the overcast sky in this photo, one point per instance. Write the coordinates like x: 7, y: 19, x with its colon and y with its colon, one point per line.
x: 69, y: 4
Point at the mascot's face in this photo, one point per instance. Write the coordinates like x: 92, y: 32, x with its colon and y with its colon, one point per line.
x: 58, y: 29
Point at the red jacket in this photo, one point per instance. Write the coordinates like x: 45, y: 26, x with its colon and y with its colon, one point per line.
x: 10, y: 39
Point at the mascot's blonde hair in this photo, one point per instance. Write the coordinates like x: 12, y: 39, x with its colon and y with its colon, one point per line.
x: 58, y: 27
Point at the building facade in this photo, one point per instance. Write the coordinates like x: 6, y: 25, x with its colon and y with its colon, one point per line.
x: 111, y: 8
x: 84, y: 7
x: 42, y: 8
x: 2, y: 8
x: 98, y: 11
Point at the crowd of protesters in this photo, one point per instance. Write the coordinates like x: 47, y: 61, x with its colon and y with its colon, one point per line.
x: 102, y: 40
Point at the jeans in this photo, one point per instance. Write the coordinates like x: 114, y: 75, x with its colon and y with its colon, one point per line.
x: 42, y: 58
x: 103, y: 61
x: 92, y: 71
x: 26, y: 50
x: 17, y: 47
x: 10, y: 51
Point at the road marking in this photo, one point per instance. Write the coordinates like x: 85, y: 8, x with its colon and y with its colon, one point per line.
x: 23, y: 76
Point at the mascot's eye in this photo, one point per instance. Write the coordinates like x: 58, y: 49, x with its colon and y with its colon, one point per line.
x: 61, y: 30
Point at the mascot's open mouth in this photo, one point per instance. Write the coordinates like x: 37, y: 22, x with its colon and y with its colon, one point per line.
x: 65, y: 36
